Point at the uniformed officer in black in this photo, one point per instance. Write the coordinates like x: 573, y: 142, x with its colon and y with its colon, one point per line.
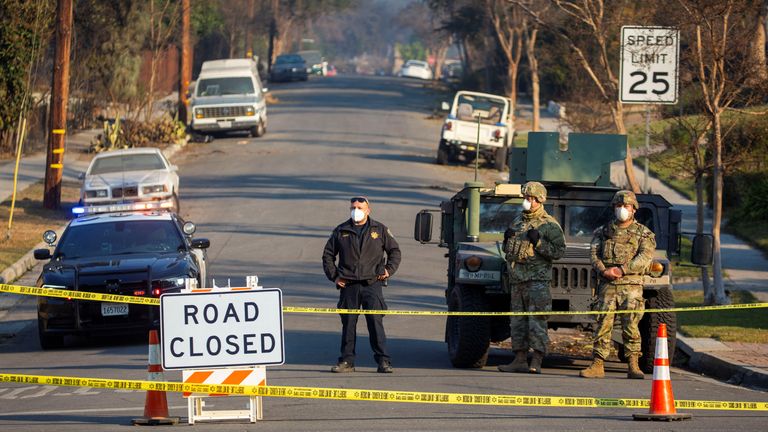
x: 361, y: 244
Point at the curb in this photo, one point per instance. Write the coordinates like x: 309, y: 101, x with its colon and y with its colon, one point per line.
x: 711, y: 365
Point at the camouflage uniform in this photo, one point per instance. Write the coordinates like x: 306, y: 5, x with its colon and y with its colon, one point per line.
x: 632, y: 250
x: 530, y: 272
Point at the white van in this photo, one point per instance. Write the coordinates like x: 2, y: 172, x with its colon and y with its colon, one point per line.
x: 228, y: 96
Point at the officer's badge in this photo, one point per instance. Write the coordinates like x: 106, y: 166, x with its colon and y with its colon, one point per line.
x: 374, y: 235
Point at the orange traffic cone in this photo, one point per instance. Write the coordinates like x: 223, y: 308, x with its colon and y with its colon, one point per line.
x: 156, y: 405
x: 662, y: 400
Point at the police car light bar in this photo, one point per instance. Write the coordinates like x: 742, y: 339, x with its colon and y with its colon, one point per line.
x: 127, y: 207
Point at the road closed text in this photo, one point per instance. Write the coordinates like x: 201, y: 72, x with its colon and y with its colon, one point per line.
x: 233, y: 344
x: 222, y: 328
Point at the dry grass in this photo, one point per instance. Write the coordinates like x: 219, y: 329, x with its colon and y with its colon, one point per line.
x: 740, y: 325
x: 30, y: 220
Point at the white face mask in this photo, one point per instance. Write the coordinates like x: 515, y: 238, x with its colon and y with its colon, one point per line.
x: 357, y: 215
x: 526, y: 205
x: 622, y: 214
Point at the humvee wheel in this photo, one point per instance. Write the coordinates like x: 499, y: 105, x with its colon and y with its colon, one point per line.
x: 468, y: 337
x: 649, y: 326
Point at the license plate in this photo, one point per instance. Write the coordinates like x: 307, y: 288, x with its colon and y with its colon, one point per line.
x: 480, y: 275
x: 114, y: 309
x: 225, y: 124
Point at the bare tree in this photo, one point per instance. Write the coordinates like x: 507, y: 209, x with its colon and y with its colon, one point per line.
x: 509, y: 23
x: 163, y: 23
x: 600, y: 24
x: 716, y: 30
x: 530, y: 34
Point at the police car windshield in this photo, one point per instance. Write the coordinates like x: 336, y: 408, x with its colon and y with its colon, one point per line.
x: 136, y: 162
x: 120, y: 238
x: 495, y: 217
x: 584, y: 220
x: 225, y: 86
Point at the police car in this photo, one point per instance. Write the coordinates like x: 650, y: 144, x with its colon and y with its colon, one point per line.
x: 145, y: 253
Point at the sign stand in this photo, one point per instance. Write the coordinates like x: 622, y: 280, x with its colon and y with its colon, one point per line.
x: 256, y: 375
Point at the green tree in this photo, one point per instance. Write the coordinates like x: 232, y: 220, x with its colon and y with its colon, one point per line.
x: 24, y: 27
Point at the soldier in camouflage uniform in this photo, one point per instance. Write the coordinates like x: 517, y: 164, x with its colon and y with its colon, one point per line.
x: 621, y: 253
x: 532, y: 242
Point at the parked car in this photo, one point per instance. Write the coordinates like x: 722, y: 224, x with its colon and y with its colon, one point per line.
x: 131, y: 175
x: 331, y: 71
x: 289, y: 67
x: 136, y: 254
x: 229, y: 96
x: 316, y: 65
x: 416, y: 69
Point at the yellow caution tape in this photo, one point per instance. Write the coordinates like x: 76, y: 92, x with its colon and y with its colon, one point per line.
x: 57, y: 165
x: 58, y: 131
x: 153, y: 301
x: 375, y: 395
x: 58, y: 151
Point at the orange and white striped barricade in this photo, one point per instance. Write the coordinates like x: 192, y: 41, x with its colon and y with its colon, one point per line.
x: 256, y: 375
x: 195, y: 402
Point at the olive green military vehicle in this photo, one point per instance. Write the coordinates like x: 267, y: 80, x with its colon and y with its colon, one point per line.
x: 577, y: 177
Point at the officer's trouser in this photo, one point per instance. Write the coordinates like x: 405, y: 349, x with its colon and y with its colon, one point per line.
x: 361, y: 295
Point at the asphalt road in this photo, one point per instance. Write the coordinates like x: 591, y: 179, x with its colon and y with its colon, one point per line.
x: 268, y: 206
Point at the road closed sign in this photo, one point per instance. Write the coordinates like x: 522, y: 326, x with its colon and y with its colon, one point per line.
x: 649, y: 64
x: 222, y: 328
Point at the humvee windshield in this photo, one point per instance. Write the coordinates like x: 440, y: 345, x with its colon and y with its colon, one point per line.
x: 495, y: 217
x: 584, y: 220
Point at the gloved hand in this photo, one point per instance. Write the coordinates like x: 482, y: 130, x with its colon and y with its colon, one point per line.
x: 508, y: 234
x: 534, y: 235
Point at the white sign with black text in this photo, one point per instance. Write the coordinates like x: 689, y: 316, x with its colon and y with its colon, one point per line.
x: 222, y: 328
x: 649, y: 64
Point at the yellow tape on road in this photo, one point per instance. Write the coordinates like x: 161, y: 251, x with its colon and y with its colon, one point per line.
x: 376, y: 395
x: 153, y: 301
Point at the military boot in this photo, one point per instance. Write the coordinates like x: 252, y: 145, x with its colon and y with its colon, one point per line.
x: 595, y: 370
x: 633, y: 368
x: 535, y: 367
x: 520, y: 365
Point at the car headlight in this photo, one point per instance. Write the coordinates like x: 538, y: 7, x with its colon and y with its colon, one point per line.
x: 161, y: 286
x: 154, y: 189
x: 198, y: 113
x: 98, y: 193
x: 249, y: 111
x: 473, y: 263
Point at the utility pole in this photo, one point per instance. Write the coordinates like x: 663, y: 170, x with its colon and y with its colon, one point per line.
x: 185, y: 77
x: 248, y: 27
x: 54, y: 165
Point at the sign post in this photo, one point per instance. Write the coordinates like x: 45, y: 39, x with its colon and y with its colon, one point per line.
x: 649, y: 71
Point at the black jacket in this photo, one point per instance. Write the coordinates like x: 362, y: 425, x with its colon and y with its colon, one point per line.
x: 358, y: 262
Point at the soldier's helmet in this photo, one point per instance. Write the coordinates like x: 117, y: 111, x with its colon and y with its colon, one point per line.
x: 536, y: 190
x: 625, y: 197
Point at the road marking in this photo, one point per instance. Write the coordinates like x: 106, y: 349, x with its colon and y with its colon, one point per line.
x: 43, y: 391
x: 15, y: 392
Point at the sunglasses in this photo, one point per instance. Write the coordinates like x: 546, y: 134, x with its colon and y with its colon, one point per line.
x: 358, y: 199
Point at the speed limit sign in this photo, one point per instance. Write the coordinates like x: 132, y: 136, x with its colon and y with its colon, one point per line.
x: 649, y: 64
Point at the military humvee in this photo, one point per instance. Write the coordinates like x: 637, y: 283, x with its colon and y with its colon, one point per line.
x: 577, y: 177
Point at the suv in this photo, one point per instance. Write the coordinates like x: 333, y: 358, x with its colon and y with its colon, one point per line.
x: 476, y: 120
x: 577, y: 176
x: 229, y: 97
x: 131, y: 175
x: 135, y: 254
